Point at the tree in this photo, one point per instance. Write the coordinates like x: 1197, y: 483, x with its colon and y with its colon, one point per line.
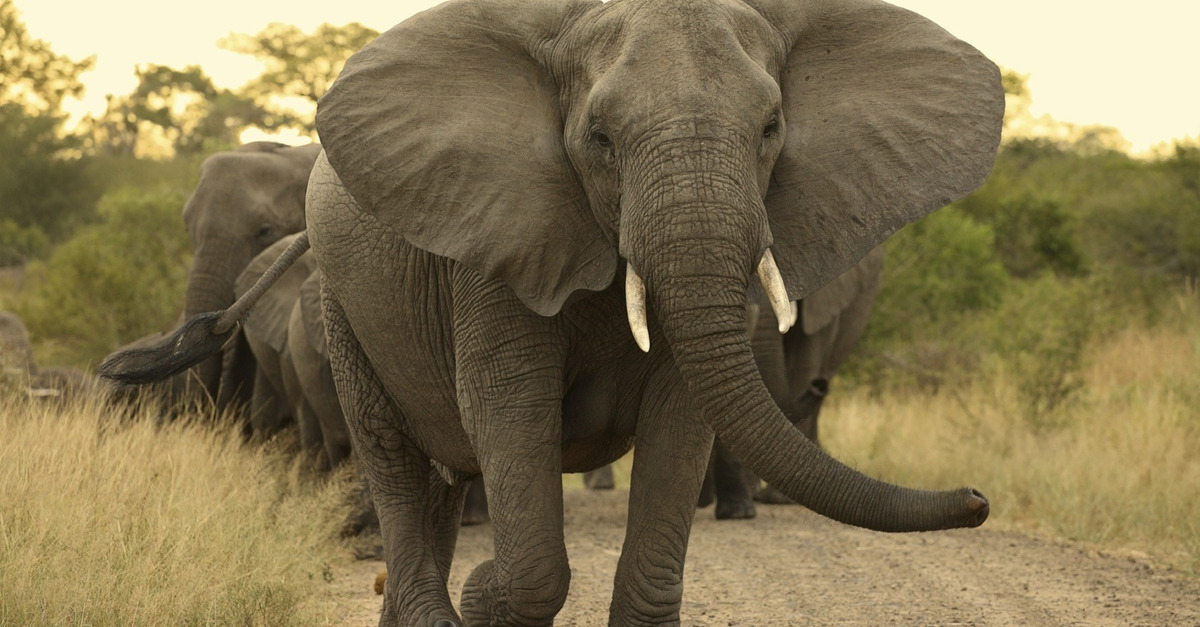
x: 299, y: 67
x: 31, y: 74
x: 43, y: 181
x: 174, y: 110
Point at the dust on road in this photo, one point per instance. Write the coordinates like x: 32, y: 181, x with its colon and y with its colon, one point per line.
x: 792, y: 567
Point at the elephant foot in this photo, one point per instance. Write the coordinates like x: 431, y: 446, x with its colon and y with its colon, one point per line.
x: 735, y: 510
x: 475, y: 510
x: 599, y: 479
x: 769, y: 495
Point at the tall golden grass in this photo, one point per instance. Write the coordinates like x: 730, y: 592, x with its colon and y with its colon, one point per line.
x: 1118, y: 468
x: 106, y: 520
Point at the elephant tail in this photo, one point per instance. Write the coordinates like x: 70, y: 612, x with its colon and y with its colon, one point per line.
x: 201, y: 336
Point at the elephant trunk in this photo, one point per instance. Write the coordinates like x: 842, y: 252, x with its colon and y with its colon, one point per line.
x: 210, y: 288
x: 696, y: 273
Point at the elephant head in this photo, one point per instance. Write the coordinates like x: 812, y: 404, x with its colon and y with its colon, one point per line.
x: 246, y: 200
x: 685, y: 144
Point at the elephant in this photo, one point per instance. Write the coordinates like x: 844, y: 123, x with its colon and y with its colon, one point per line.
x: 277, y: 390
x: 797, y: 368
x: 246, y: 199
x: 491, y: 167
x: 17, y: 364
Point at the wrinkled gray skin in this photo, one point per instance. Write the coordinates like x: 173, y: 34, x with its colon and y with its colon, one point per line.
x: 496, y: 171
x: 17, y: 363
x: 286, y: 333
x: 246, y: 200
x: 277, y: 389
x: 797, y: 368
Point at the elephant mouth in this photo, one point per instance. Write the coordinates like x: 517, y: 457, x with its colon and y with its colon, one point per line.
x: 786, y: 311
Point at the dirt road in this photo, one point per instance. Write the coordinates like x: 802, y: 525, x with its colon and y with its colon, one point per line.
x: 791, y: 567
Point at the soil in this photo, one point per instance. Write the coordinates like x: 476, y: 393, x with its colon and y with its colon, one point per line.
x: 789, y: 566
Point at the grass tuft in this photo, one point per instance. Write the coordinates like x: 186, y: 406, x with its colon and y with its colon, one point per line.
x: 1118, y: 469
x: 111, y: 520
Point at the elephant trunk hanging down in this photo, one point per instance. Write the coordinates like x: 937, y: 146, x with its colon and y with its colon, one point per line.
x: 498, y: 173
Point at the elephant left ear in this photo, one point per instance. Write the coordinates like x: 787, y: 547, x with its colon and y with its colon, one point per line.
x: 888, y: 117
x: 448, y: 130
x: 826, y: 304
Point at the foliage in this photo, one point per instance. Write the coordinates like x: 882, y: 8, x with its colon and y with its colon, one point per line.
x: 111, y: 520
x: 43, y: 183
x: 113, y: 282
x: 18, y: 243
x: 179, y: 109
x: 300, y: 67
x: 32, y: 76
x: 1118, y: 467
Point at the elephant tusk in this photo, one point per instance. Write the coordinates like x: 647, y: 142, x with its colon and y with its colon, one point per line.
x: 772, y: 282
x: 635, y: 308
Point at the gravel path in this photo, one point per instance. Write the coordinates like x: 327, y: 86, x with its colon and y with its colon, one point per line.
x: 791, y: 567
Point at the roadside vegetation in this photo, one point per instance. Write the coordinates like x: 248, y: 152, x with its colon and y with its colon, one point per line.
x: 110, y: 519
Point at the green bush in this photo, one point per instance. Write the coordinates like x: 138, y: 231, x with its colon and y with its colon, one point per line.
x: 19, y: 244
x: 113, y: 282
x: 1037, y: 337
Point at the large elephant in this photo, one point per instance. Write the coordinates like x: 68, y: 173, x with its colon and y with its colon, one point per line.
x: 491, y: 167
x: 246, y: 200
x: 797, y: 368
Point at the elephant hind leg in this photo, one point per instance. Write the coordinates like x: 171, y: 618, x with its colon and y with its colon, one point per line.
x: 418, y: 512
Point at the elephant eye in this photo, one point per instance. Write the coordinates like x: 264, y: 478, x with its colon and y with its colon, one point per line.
x: 601, y: 138
x: 771, y: 129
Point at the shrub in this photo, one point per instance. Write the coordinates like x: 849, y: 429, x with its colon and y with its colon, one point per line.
x: 111, y: 283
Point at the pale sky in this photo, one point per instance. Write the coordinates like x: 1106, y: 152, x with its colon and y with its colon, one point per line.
x: 1133, y: 67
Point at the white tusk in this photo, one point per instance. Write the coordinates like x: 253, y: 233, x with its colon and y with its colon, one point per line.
x: 635, y: 308
x: 772, y: 282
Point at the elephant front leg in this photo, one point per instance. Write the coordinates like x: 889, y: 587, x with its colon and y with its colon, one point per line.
x: 509, y: 366
x: 418, y: 512
x: 669, y: 464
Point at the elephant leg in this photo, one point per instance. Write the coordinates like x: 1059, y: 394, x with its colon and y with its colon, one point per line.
x: 311, y: 441
x: 413, y: 503
x: 669, y: 464
x: 264, y: 414
x: 599, y: 479
x: 510, y: 391
x: 475, y: 511
x: 809, y: 407
x: 734, y: 484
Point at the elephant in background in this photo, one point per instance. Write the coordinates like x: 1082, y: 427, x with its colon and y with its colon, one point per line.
x: 246, y: 200
x: 510, y: 190
x: 797, y: 368
x: 286, y: 333
x: 17, y: 364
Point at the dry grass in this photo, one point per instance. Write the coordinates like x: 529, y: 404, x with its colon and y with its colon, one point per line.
x: 110, y: 521
x: 1118, y: 469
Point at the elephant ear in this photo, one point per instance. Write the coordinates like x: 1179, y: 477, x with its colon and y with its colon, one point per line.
x: 449, y: 131
x: 311, y: 314
x: 823, y: 306
x: 268, y: 321
x: 888, y: 118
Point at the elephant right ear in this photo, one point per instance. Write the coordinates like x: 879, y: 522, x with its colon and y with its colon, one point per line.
x: 888, y: 117
x: 448, y: 129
